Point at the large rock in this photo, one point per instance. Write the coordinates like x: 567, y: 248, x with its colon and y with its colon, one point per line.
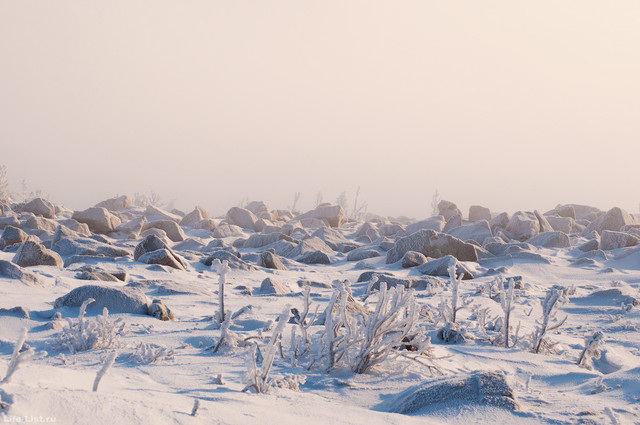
x: 333, y: 238
x: 499, y: 222
x: 41, y: 207
x: 257, y: 207
x: 170, y: 227
x: 85, y: 246
x: 165, y: 256
x: 523, y: 225
x: 477, y: 213
x: 432, y: 244
x: 40, y: 226
x: 614, y: 240
x: 433, y: 223
x: 448, y: 209
x: 392, y: 229
x: 333, y: 214
x: 477, y: 232
x: 243, y: 218
x: 233, y: 260
x: 32, y: 253
x: 115, y: 204
x: 561, y: 224
x: 116, y: 300
x: 225, y: 230
x: 270, y: 260
x: 551, y: 240
x: 392, y: 281
x: 613, y: 220
x: 259, y: 240
x: 9, y: 220
x: 98, y: 219
x: 413, y: 259
x: 194, y: 217
x: 310, y: 245
x: 12, y: 235
x: 440, y: 267
x: 363, y: 253
x: 272, y: 286
x: 484, y: 388
x: 314, y: 257
x: 13, y: 271
x: 452, y: 222
x: 155, y: 213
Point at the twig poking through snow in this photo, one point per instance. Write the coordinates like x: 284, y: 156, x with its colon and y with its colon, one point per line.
x: 17, y: 358
x: 105, y: 367
x: 196, y: 406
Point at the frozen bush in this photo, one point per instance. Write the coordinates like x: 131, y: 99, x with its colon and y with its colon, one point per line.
x: 554, y: 297
x: 151, y: 353
x: 592, y: 346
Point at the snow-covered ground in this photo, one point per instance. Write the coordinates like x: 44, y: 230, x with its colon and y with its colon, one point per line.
x: 55, y: 385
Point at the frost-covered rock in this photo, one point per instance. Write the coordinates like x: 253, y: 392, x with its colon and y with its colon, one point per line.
x: 12, y: 235
x: 243, y: 218
x: 448, y: 209
x: 116, y: 203
x: 9, y: 220
x: 234, y: 262
x: 561, y: 224
x: 270, y: 260
x: 170, y: 227
x: 226, y: 230
x: 613, y: 240
x: 592, y: 244
x: 523, y: 225
x: 96, y: 273
x: 40, y: 226
x: 155, y: 213
x: 85, y: 246
x: 257, y: 207
x: 413, y: 259
x: 433, y: 223
x: 612, y: 220
x: 485, y: 388
x: 41, y: 207
x: 98, y: 219
x: 478, y: 213
x: 551, y: 240
x: 478, y: 231
x: 159, y: 310
x: 440, y: 267
x: 392, y: 229
x: 333, y: 214
x: 32, y: 253
x: 194, y: 217
x: 258, y: 240
x: 152, y: 250
x: 362, y: 254
x: 310, y: 245
x: 432, y: 244
x: 391, y: 281
x: 272, y: 286
x: 499, y: 222
x: 314, y: 257
x: 13, y: 271
x: 453, y: 222
x: 116, y: 300
x: 332, y: 237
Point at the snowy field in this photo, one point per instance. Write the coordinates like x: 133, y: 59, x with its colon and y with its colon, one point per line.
x: 526, y: 318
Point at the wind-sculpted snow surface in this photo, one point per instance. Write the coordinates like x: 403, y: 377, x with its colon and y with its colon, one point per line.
x: 525, y: 318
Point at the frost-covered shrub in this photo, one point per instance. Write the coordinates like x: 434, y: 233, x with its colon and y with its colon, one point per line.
x: 151, y: 353
x: 301, y: 344
x: 554, y: 297
x: 83, y: 334
x: 592, y: 346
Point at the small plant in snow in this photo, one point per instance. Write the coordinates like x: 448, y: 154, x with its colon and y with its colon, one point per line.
x: 18, y: 357
x: 82, y: 334
x: 108, y: 362
x: 222, y: 268
x: 300, y: 345
x: 259, y: 379
x: 592, y: 346
x: 507, y: 308
x: 227, y: 337
x: 554, y: 297
x: 151, y: 353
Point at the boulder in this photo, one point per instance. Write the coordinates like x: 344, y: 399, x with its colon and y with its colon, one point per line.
x: 432, y: 244
x: 561, y: 224
x: 96, y: 273
x: 499, y: 222
x: 614, y: 240
x: 99, y: 220
x: 258, y: 240
x: 233, y: 261
x: 194, y: 217
x: 310, y: 245
x: 41, y: 207
x: 154, y: 213
x: 413, y: 259
x: 85, y: 246
x: 159, y: 310
x: 206, y: 224
x: 115, y: 204
x: 32, y: 253
x: 170, y: 227
x: 144, y: 252
x: 116, y: 300
x: 477, y: 231
x: 612, y: 220
x: 257, y: 207
x: 483, y: 388
x: 433, y: 223
x: 41, y: 226
x: 226, y: 230
x: 362, y: 254
x: 592, y: 244
x: 272, y: 286
x: 453, y: 222
x: 243, y: 218
x: 13, y: 271
x: 392, y: 281
x: 440, y: 267
x: 314, y: 257
x: 477, y: 213
x: 448, y: 209
x: 333, y: 214
x: 333, y: 238
x: 9, y: 220
x: 523, y: 225
x: 270, y: 260
x: 551, y: 240
x: 12, y: 235
x: 392, y: 230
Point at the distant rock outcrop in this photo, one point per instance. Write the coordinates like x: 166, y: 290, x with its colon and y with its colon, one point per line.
x: 432, y: 244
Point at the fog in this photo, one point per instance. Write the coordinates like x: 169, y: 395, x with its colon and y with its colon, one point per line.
x: 510, y: 105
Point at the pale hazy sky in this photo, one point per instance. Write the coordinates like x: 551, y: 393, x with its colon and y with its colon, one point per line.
x: 507, y: 104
